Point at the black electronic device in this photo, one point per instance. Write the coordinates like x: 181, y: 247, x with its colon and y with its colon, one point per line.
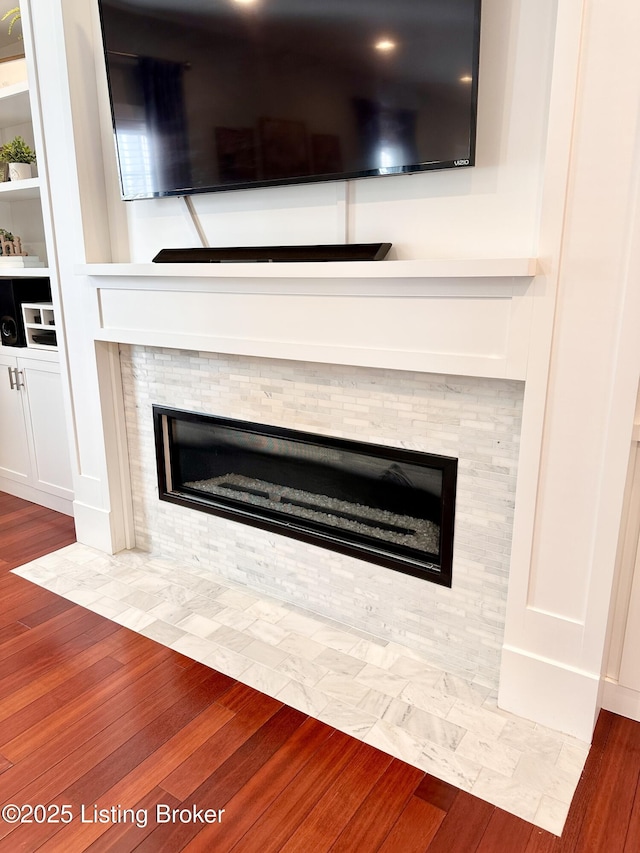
x: 271, y: 254
x: 229, y: 95
x: 13, y: 293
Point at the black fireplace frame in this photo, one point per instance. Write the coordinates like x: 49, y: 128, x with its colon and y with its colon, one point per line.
x: 437, y: 572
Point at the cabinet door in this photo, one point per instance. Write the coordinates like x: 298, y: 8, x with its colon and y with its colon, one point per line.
x: 47, y: 428
x: 14, y: 447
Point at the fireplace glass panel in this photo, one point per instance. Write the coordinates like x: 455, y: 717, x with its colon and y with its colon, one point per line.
x: 387, y: 505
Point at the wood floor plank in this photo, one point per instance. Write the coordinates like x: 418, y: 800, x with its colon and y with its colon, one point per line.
x: 55, y: 699
x: 541, y: 842
x: 289, y: 809
x: 45, y: 539
x: 126, y: 836
x: 376, y: 816
x: 220, y: 787
x: 62, y: 627
x: 39, y: 654
x: 144, y: 779
x: 505, y: 832
x: 330, y: 815
x: 588, y: 784
x: 611, y: 804
x: 81, y: 721
x: 440, y: 794
x: 70, y: 667
x: 25, y: 518
x: 16, y: 542
x: 414, y: 829
x: 87, y: 715
x: 43, y: 614
x: 632, y: 841
x: 96, y: 736
x: 148, y: 760
x: 206, y: 759
x: 13, y: 629
x: 21, y: 599
x: 5, y: 764
x: 149, y: 739
x: 256, y: 797
x: 463, y: 826
x: 86, y: 772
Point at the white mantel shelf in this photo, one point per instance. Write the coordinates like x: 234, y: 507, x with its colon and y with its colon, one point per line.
x: 467, y: 316
x: 414, y: 269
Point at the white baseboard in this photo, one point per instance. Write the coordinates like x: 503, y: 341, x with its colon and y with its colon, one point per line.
x: 621, y: 700
x: 28, y: 493
x: 549, y: 693
x: 94, y: 527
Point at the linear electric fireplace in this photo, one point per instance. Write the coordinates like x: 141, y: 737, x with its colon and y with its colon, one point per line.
x: 388, y: 505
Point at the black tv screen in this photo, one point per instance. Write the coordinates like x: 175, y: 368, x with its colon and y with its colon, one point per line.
x: 213, y: 95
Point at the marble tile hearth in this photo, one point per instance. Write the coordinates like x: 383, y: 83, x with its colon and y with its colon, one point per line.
x: 375, y: 690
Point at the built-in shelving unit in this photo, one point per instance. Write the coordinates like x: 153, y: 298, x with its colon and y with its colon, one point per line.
x: 20, y: 201
x: 34, y: 459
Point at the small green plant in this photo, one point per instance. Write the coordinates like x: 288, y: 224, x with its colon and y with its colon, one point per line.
x: 17, y: 151
x: 15, y: 16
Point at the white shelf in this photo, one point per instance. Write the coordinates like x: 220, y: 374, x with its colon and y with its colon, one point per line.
x: 418, y: 269
x: 31, y: 354
x: 39, y: 318
x: 23, y: 272
x: 14, y: 104
x: 20, y: 190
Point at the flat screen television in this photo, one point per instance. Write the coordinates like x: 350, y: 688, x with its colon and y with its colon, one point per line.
x: 211, y: 95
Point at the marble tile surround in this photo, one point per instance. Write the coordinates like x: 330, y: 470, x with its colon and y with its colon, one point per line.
x: 473, y: 419
x: 379, y: 691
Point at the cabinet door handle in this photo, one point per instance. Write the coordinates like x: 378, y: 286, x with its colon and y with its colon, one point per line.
x: 16, y: 378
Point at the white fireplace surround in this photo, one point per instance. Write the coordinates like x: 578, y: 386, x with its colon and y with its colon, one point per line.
x: 441, y: 348
x: 359, y: 350
x: 488, y: 319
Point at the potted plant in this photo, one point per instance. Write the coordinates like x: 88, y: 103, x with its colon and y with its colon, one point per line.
x: 19, y: 156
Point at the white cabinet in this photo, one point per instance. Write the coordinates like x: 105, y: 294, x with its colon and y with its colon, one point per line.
x: 34, y: 453
x: 34, y: 446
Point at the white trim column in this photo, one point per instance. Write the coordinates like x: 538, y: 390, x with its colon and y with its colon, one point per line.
x: 562, y: 573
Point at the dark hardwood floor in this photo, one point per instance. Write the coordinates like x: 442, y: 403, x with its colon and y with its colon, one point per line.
x: 94, y: 715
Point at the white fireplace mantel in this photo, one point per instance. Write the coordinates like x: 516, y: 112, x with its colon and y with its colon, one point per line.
x: 427, y: 268
x: 456, y: 316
